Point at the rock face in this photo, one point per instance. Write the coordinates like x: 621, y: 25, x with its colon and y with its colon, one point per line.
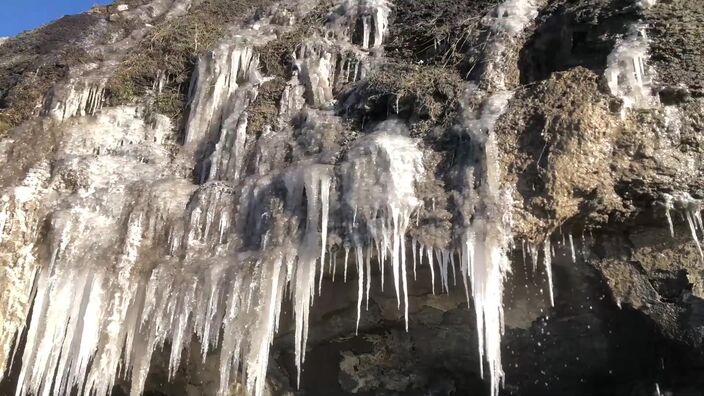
x: 354, y: 197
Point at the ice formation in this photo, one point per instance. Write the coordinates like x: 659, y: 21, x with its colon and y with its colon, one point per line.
x: 167, y: 264
x: 218, y: 258
x: 380, y: 175
x: 77, y: 98
x: 505, y: 22
x: 627, y: 73
x: 487, y: 239
x: 374, y: 17
x: 691, y: 208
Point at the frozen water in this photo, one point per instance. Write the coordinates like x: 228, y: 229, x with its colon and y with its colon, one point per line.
x: 627, y: 73
x: 138, y: 254
x: 379, y: 179
x: 691, y: 209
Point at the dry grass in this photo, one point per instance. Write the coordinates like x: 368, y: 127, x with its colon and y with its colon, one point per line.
x: 427, y: 92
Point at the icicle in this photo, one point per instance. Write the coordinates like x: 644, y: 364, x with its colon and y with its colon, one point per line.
x: 692, y: 227
x: 429, y: 254
x: 404, y: 279
x: 533, y: 250
x: 360, y: 284
x: 347, y: 256
x: 547, y: 260
x: 330, y: 263
x: 325, y: 200
x: 396, y: 252
x: 334, y: 266
x: 413, y: 248
x: 668, y: 209
x: 368, y: 263
x: 366, y: 31
x: 574, y: 255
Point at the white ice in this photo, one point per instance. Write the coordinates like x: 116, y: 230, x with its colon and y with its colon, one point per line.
x: 627, y: 73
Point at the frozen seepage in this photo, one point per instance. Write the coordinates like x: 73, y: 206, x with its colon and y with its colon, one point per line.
x: 169, y: 259
x: 316, y: 70
x: 371, y: 16
x: 506, y: 23
x: 627, y: 73
x: 323, y: 63
x: 512, y: 16
x: 379, y: 178
x: 691, y: 208
x: 105, y: 314
x: 75, y: 98
x: 485, y: 262
x: 93, y: 153
x: 227, y: 161
x: 19, y: 231
x: 480, y: 124
x: 315, y: 181
x: 138, y: 259
x: 107, y: 209
x: 226, y: 80
x: 217, y: 78
x: 487, y: 237
x: 84, y: 307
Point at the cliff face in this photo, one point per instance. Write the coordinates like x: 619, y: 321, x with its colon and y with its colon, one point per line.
x: 354, y: 197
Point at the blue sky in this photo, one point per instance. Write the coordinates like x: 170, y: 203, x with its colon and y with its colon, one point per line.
x: 17, y: 16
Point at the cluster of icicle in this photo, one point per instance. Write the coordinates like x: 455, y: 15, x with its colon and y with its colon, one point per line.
x: 627, y: 73
x: 138, y: 258
x: 487, y: 239
x: 691, y: 209
x: 631, y: 79
x: 78, y: 98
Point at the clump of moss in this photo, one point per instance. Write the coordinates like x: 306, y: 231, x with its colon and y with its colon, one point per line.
x: 421, y: 94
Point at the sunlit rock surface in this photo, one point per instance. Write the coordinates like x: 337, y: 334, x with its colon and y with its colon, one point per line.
x: 354, y: 197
